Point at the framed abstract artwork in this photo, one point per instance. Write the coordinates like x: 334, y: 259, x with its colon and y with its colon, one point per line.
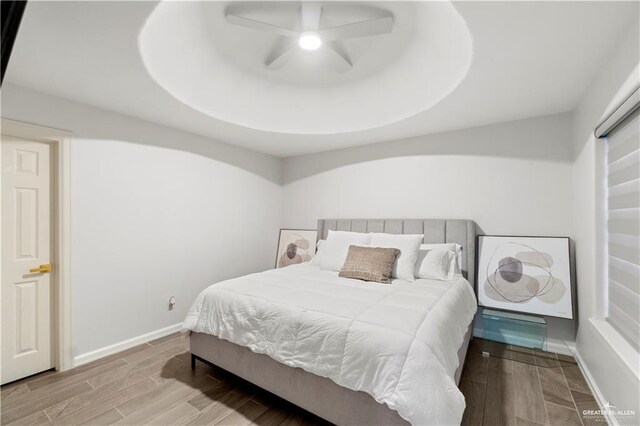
x: 295, y: 246
x: 525, y: 274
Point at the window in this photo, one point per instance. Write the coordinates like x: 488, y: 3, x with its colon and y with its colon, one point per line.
x: 623, y: 227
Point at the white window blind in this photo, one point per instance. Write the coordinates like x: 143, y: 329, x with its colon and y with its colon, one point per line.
x: 623, y: 228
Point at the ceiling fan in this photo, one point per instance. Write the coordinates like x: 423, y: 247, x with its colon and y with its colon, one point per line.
x: 312, y: 36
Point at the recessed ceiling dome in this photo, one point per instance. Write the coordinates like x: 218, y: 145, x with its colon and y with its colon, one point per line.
x: 199, y: 56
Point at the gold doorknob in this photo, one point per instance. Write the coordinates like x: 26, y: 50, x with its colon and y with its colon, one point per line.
x: 42, y: 268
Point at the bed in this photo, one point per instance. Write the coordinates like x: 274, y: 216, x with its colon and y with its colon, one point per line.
x: 345, y: 350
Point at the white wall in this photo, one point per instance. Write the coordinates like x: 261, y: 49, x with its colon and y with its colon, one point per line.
x: 607, y: 357
x: 155, y: 212
x: 511, y: 178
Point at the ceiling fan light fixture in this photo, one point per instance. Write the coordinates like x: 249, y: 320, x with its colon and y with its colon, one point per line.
x: 310, y: 40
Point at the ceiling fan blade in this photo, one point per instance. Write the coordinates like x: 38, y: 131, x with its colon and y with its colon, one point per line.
x: 340, y: 58
x: 358, y: 29
x: 259, y: 25
x: 310, y: 14
x: 280, y: 55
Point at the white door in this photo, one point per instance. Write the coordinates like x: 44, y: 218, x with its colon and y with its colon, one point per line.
x: 26, y: 290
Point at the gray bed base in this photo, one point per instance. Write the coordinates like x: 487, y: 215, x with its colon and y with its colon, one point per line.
x: 319, y: 395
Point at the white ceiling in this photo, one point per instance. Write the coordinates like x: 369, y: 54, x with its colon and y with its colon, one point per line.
x: 529, y: 59
x: 223, y: 75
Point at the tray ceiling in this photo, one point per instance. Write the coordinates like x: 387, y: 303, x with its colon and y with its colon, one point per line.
x: 445, y: 66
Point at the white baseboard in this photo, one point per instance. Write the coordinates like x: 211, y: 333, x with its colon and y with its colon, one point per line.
x: 126, y: 344
x: 595, y: 390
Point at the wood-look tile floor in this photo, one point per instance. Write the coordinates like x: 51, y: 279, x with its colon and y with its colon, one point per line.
x: 154, y: 384
x: 148, y: 384
x: 520, y: 386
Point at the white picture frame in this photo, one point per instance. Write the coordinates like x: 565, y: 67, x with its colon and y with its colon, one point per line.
x: 525, y: 274
x: 295, y: 246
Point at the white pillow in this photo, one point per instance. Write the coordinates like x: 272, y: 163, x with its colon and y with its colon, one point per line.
x: 455, y: 268
x: 434, y: 264
x: 315, y: 260
x: 337, y: 245
x: 408, y: 246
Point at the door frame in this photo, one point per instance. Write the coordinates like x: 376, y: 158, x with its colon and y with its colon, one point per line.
x: 61, y: 226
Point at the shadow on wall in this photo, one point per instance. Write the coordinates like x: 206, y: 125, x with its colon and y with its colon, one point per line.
x: 86, y: 122
x: 545, y: 138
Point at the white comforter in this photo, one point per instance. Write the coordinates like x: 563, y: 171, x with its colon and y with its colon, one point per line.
x: 397, y: 342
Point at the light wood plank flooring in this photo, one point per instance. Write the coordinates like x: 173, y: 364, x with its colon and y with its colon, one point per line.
x: 154, y: 384
x: 520, y: 386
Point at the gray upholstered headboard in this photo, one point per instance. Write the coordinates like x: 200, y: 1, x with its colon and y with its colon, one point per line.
x: 458, y: 231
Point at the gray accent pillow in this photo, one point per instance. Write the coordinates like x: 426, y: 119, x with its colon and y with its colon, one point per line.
x: 369, y: 263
